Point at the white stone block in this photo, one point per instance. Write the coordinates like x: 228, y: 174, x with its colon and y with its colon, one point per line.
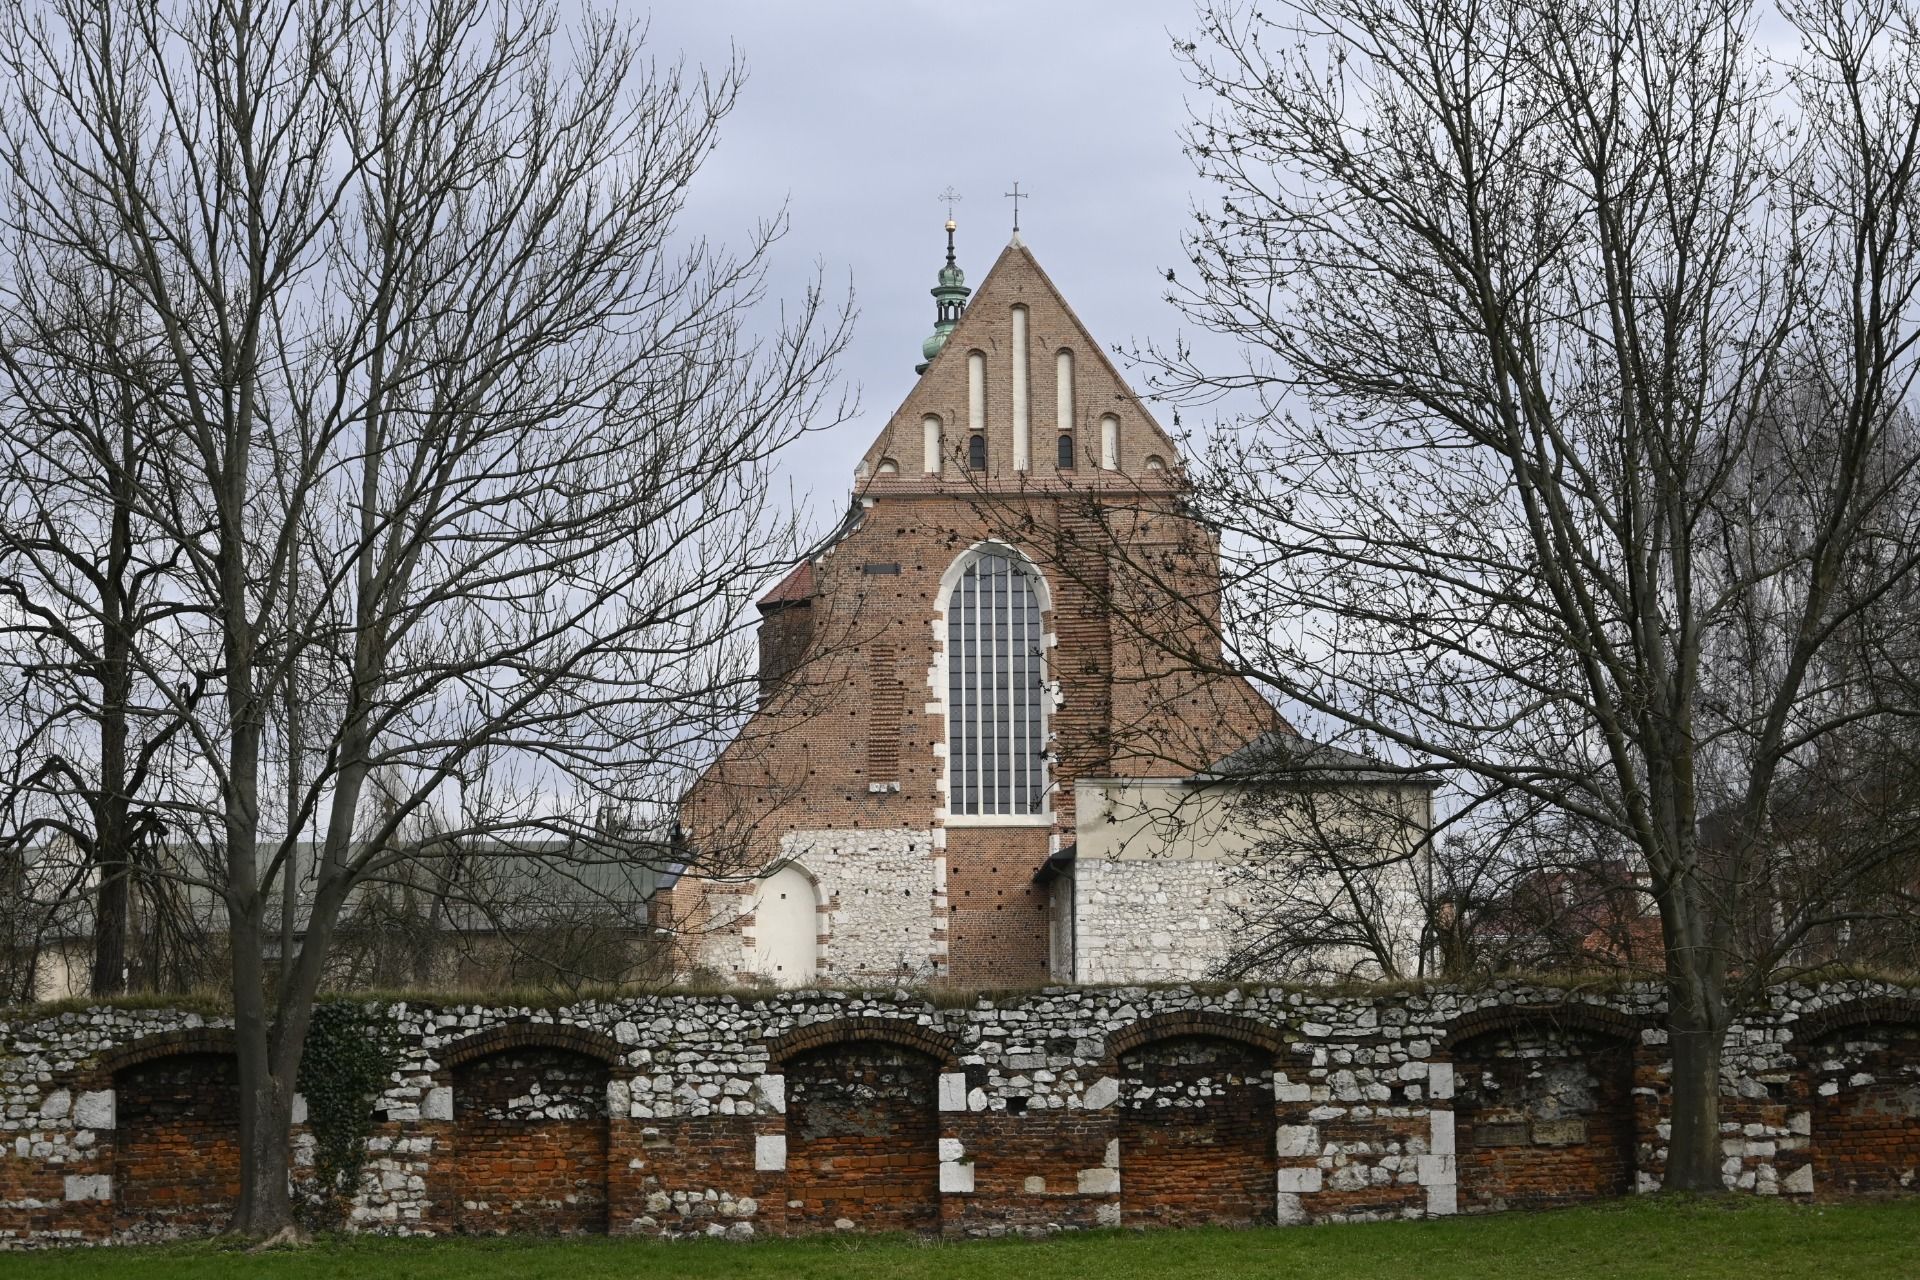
x: 1297, y: 1181
x: 1292, y: 1141
x: 1800, y: 1122
x: 1799, y: 1182
x: 772, y: 1091
x: 770, y: 1152
x: 956, y: 1177
x: 97, y: 1186
x: 94, y: 1110
x: 299, y: 1109
x: 1112, y: 1158
x: 438, y: 1105
x: 953, y: 1091
x: 1107, y: 1215
x: 977, y: 1100
x: 56, y: 1105
x: 1443, y: 1200
x: 1287, y: 1210
x: 1441, y: 1142
x: 1103, y: 1092
x: 1440, y: 1080
x: 952, y: 1148
x: 1099, y: 1182
x: 1437, y: 1171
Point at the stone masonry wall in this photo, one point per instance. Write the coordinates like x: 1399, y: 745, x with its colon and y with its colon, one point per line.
x: 1151, y: 916
x: 881, y: 889
x: 1063, y: 1108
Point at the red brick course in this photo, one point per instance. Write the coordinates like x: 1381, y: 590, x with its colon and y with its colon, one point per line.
x: 1866, y: 1130
x: 176, y: 1145
x: 530, y: 1143
x: 1543, y: 1117
x: 862, y: 1139
x: 1196, y: 1132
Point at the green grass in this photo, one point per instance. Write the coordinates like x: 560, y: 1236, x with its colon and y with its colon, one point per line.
x: 1737, y: 1239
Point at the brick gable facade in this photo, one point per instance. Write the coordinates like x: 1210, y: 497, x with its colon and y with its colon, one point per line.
x: 844, y: 769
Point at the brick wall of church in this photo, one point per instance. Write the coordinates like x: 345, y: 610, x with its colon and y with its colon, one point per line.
x: 803, y: 773
x: 721, y: 1115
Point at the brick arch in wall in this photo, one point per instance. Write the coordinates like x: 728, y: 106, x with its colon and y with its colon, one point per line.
x: 1196, y: 1119
x: 528, y: 1149
x: 863, y: 1124
x: 1220, y: 1026
x: 893, y: 1031
x: 176, y: 1138
x: 1569, y: 1015
x: 1543, y: 1105
x: 1822, y: 1023
x: 1862, y: 1062
x: 526, y: 1033
x: 165, y: 1044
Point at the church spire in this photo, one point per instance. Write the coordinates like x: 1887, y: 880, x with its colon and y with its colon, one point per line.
x: 949, y: 299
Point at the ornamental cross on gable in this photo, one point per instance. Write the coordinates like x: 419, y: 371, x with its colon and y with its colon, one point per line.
x: 1017, y: 195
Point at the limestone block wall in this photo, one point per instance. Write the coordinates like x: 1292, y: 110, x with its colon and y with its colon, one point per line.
x: 1150, y: 919
x: 813, y: 1111
x: 881, y: 902
x: 885, y: 917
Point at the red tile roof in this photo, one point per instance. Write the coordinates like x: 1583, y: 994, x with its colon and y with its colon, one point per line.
x: 795, y: 588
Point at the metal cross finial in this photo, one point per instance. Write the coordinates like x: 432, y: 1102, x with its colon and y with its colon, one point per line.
x: 950, y: 198
x: 1017, y: 195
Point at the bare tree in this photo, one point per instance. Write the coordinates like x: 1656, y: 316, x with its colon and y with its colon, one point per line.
x: 85, y: 582
x: 1583, y: 340
x: 450, y: 420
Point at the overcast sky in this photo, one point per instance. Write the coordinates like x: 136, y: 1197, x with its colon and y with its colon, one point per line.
x: 858, y: 113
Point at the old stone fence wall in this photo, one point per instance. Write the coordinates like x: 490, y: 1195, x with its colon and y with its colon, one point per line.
x: 680, y: 1115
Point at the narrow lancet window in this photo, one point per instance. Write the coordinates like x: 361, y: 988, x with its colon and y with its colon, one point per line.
x: 996, y: 689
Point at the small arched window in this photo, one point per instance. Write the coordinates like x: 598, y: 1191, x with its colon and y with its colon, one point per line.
x: 888, y: 467
x: 1066, y: 452
x: 996, y: 688
x: 977, y: 452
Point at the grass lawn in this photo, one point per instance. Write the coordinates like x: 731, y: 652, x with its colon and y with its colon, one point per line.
x: 1743, y: 1240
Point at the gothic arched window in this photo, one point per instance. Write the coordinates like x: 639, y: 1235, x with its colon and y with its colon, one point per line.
x: 996, y: 688
x: 1066, y: 453
x: 976, y: 452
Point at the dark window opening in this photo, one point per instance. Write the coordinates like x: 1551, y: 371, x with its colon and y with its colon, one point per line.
x: 1066, y: 453
x: 996, y: 689
x: 977, y: 452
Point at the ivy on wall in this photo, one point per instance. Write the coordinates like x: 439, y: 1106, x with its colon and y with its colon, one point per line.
x: 349, y: 1057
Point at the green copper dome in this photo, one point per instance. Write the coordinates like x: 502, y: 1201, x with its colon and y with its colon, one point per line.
x: 950, y: 299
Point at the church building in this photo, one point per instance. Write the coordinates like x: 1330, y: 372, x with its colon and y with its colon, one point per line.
x: 987, y: 741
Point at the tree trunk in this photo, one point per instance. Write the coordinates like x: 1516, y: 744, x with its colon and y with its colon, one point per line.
x: 110, y: 930
x: 1697, y: 1032
x: 265, y: 1207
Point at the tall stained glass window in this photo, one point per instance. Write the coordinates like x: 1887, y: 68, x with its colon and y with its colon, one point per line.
x: 996, y: 682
